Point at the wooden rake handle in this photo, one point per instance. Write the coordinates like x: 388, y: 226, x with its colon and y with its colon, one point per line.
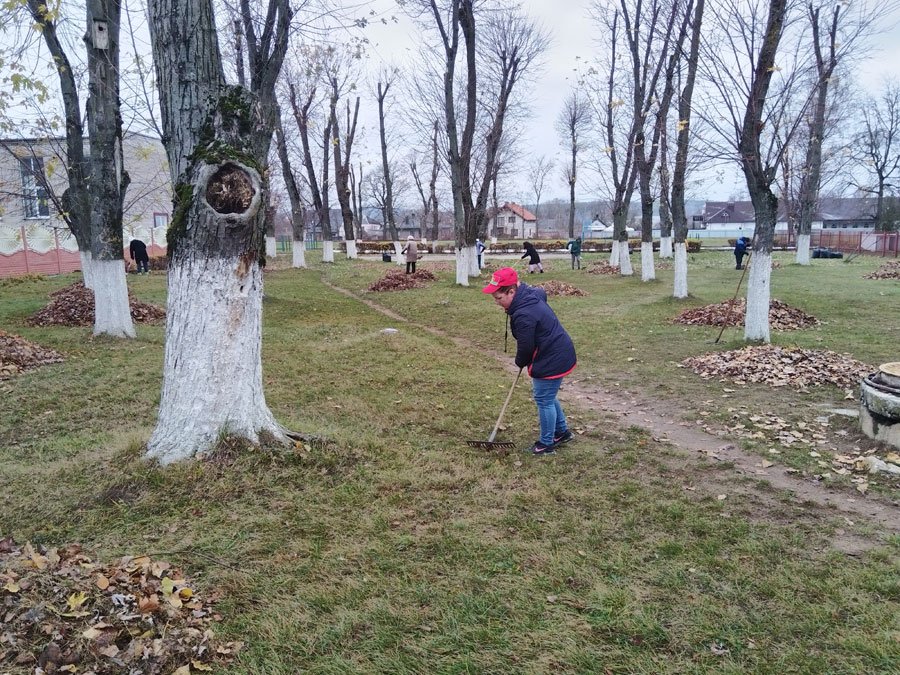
x: 505, y: 404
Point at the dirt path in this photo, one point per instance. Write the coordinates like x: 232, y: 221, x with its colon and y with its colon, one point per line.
x: 693, y: 448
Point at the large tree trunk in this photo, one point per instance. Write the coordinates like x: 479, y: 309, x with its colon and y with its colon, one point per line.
x: 756, y: 323
x: 217, y: 138
x: 679, y: 215
x: 112, y: 314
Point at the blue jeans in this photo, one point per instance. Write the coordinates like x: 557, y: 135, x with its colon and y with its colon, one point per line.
x: 550, y: 412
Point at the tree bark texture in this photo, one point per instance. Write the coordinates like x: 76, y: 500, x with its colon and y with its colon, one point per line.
x: 298, y: 212
x: 217, y: 138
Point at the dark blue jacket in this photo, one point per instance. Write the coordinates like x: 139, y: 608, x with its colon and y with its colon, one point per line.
x: 543, y: 344
x: 740, y: 245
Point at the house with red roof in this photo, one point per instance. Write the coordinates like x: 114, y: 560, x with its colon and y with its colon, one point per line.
x: 512, y: 221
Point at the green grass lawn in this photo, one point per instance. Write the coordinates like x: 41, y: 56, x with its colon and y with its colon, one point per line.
x: 397, y: 548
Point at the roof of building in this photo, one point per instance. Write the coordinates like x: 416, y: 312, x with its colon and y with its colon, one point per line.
x: 519, y: 210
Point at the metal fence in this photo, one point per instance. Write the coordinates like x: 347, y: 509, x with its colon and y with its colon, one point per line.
x: 884, y: 244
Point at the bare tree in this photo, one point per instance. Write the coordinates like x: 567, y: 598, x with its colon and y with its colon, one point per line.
x: 298, y: 209
x: 217, y: 138
x: 537, y: 180
x: 512, y: 43
x: 878, y: 145
x: 93, y: 202
x: 342, y: 161
x: 573, y: 124
x: 385, y: 81
x: 429, y: 200
x: 679, y: 215
x: 652, y: 59
x: 304, y: 116
x: 755, y: 120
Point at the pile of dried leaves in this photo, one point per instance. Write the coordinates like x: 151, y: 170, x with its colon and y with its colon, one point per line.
x: 780, y: 367
x: 889, y: 270
x: 18, y: 354
x: 74, y: 306
x: 554, y: 287
x: 781, y: 315
x: 603, y: 267
x: 64, y: 613
x: 397, y: 280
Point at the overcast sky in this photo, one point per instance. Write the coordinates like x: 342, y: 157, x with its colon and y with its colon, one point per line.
x: 571, y: 32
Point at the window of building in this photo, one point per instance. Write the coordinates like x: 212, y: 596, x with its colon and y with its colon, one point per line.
x: 34, y: 190
x: 161, y: 220
x: 512, y: 220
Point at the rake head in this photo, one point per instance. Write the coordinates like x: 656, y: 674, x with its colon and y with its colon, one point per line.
x: 491, y: 445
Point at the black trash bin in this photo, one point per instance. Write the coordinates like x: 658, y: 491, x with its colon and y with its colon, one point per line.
x: 385, y: 257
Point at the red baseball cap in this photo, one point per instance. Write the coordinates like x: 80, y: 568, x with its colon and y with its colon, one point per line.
x: 505, y: 276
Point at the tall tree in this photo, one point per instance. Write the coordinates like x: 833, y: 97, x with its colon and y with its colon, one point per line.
x: 679, y: 172
x: 217, y: 137
x: 651, y: 59
x: 573, y: 124
x: 878, y: 144
x: 342, y: 161
x: 298, y: 208
x: 757, y: 123
x: 537, y: 180
x: 93, y: 202
x: 385, y: 81
x: 512, y: 44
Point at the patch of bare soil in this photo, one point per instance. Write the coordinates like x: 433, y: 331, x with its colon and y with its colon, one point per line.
x: 780, y: 367
x: 74, y: 306
x: 554, y: 287
x: 63, y: 612
x: 708, y: 461
x: 398, y: 280
x: 890, y: 270
x: 781, y: 315
x: 18, y: 355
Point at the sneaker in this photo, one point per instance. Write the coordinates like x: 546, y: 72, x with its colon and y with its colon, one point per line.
x: 541, y: 449
x: 564, y: 437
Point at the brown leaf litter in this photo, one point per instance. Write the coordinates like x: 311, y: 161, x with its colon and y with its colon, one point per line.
x: 781, y: 315
x: 18, y: 355
x: 63, y: 612
x: 74, y: 306
x: 780, y: 367
x: 603, y: 267
x: 890, y: 270
x: 397, y: 280
x: 554, y: 287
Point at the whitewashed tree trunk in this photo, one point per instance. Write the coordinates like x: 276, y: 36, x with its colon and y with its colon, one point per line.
x: 351, y: 249
x: 112, y: 313
x: 472, y: 257
x: 298, y: 250
x: 614, y: 254
x: 803, y: 249
x: 464, y: 264
x: 625, y: 268
x: 398, y: 253
x: 217, y: 140
x: 680, y: 289
x: 665, y: 247
x: 271, y: 247
x: 648, y: 271
x: 328, y: 251
x: 87, y: 261
x: 213, y: 380
x: 756, y: 324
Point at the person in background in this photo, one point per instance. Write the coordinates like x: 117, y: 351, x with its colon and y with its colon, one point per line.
x: 534, y: 259
x: 412, y: 254
x: 574, y: 247
x: 138, y: 252
x: 740, y: 250
x: 543, y: 346
x: 479, y: 249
